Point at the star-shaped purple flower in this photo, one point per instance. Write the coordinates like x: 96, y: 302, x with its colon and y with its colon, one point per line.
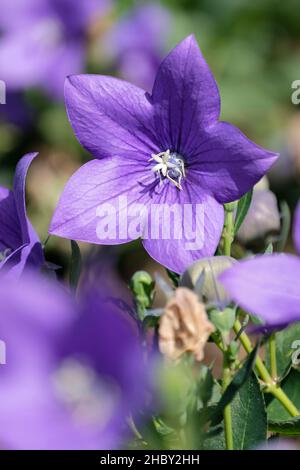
x: 268, y: 286
x: 70, y: 374
x: 20, y: 246
x: 43, y: 41
x: 165, y: 148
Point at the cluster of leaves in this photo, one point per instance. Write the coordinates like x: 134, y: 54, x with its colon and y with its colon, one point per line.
x: 192, y: 406
x: 192, y: 400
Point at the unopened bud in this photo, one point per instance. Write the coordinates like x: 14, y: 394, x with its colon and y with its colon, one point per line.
x: 208, y: 269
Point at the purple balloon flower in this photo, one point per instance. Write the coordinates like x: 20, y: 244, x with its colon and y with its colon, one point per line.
x: 20, y: 246
x: 70, y: 374
x: 268, y: 286
x: 167, y: 149
x: 137, y: 41
x: 43, y: 41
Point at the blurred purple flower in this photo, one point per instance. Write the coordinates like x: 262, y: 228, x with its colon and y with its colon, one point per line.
x: 43, y: 41
x: 137, y: 42
x: 279, y: 444
x: 73, y: 373
x: 196, y: 160
x: 268, y: 286
x: 20, y: 246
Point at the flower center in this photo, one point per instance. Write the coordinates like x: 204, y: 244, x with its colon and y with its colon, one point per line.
x: 169, y: 165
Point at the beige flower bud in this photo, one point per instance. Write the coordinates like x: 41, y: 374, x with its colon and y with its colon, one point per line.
x: 184, y: 326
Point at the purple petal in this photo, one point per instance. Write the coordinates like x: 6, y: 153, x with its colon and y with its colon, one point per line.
x: 35, y: 315
x: 199, y: 229
x: 37, y: 318
x: 27, y: 256
x: 34, y: 312
x: 97, y: 186
x: 266, y: 286
x: 28, y: 234
x: 33, y: 420
x: 99, y: 313
x: 228, y: 163
x: 30, y: 254
x: 110, y: 117
x: 16, y: 233
x: 297, y: 228
x: 185, y: 97
x: 10, y: 230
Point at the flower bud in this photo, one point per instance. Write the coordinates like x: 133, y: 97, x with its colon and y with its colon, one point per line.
x: 142, y: 287
x: 202, y: 277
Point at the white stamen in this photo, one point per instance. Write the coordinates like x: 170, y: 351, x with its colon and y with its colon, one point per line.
x: 169, y: 165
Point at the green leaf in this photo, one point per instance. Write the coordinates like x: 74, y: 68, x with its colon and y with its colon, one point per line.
x: 291, y: 386
x: 290, y: 427
x: 286, y: 345
x: 249, y: 419
x: 223, y: 320
x: 206, y: 385
x: 237, y: 382
x: 242, y: 209
x: 76, y: 263
x: 214, y: 439
x: 249, y: 416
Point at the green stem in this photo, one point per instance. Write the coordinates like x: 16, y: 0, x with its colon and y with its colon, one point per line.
x: 270, y: 381
x: 273, y: 360
x: 272, y: 387
x: 278, y: 393
x: 227, y: 409
x: 227, y: 235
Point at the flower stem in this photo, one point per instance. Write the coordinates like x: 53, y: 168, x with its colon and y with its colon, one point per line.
x: 272, y: 387
x: 227, y: 235
x: 270, y: 381
x: 278, y: 393
x: 227, y: 409
x: 273, y: 360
